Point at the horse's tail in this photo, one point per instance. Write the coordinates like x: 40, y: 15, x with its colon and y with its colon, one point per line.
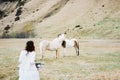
x: 64, y: 44
x: 77, y: 45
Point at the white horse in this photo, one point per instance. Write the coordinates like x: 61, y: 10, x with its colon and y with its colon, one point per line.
x: 71, y: 43
x: 53, y: 45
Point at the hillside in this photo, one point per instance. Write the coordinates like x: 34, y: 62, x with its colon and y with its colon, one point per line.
x: 47, y: 18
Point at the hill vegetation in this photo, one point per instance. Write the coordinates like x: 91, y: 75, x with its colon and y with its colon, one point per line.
x: 96, y: 18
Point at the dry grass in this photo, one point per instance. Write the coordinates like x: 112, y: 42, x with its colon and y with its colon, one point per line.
x: 98, y: 60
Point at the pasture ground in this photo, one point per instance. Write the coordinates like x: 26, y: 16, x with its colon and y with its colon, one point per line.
x: 98, y: 60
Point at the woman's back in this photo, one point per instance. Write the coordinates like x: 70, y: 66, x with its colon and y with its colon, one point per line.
x: 26, y: 59
x: 27, y: 68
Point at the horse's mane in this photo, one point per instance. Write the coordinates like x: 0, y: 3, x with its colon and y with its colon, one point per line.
x: 58, y: 35
x: 64, y: 44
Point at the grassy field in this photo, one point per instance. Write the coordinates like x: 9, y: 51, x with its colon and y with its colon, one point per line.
x: 98, y: 60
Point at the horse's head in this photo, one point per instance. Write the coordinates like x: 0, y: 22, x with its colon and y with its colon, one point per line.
x: 61, y: 37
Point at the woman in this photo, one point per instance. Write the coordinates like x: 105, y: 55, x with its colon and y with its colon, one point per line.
x: 27, y: 68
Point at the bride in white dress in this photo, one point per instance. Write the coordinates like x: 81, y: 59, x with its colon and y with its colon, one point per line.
x: 27, y: 68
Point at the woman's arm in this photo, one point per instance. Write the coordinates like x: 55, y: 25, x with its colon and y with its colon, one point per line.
x: 20, y: 57
x: 32, y: 59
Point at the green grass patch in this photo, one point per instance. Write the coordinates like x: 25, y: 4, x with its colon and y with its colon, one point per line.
x: 107, y: 28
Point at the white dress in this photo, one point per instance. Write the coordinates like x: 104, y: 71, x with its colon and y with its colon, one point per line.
x: 27, y: 68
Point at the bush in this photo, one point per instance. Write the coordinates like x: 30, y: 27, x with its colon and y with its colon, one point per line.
x: 18, y: 35
x: 19, y: 11
x: 24, y: 35
x: 2, y: 13
x: 17, y: 18
x: 9, y: 0
x: 7, y: 27
x: 21, y: 2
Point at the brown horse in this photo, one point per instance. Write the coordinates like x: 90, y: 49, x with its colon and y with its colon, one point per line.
x: 71, y: 43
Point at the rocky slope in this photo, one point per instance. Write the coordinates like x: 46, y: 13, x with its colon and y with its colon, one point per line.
x: 47, y: 18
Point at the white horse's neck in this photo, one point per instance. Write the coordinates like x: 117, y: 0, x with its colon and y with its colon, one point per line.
x: 59, y: 40
x: 55, y: 44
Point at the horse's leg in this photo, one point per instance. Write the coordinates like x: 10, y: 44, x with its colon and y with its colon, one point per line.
x: 77, y: 50
x: 41, y: 50
x: 57, y: 54
x: 77, y: 47
x: 43, y: 54
x: 64, y: 51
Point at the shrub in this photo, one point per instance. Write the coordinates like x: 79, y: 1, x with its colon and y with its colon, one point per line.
x: 21, y: 2
x: 17, y: 18
x: 2, y: 13
x: 9, y: 0
x: 19, y: 11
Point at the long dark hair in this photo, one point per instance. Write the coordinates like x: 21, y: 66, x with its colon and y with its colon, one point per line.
x: 30, y: 46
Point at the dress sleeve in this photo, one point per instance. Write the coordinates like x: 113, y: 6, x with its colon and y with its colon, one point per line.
x: 20, y: 57
x: 32, y: 59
